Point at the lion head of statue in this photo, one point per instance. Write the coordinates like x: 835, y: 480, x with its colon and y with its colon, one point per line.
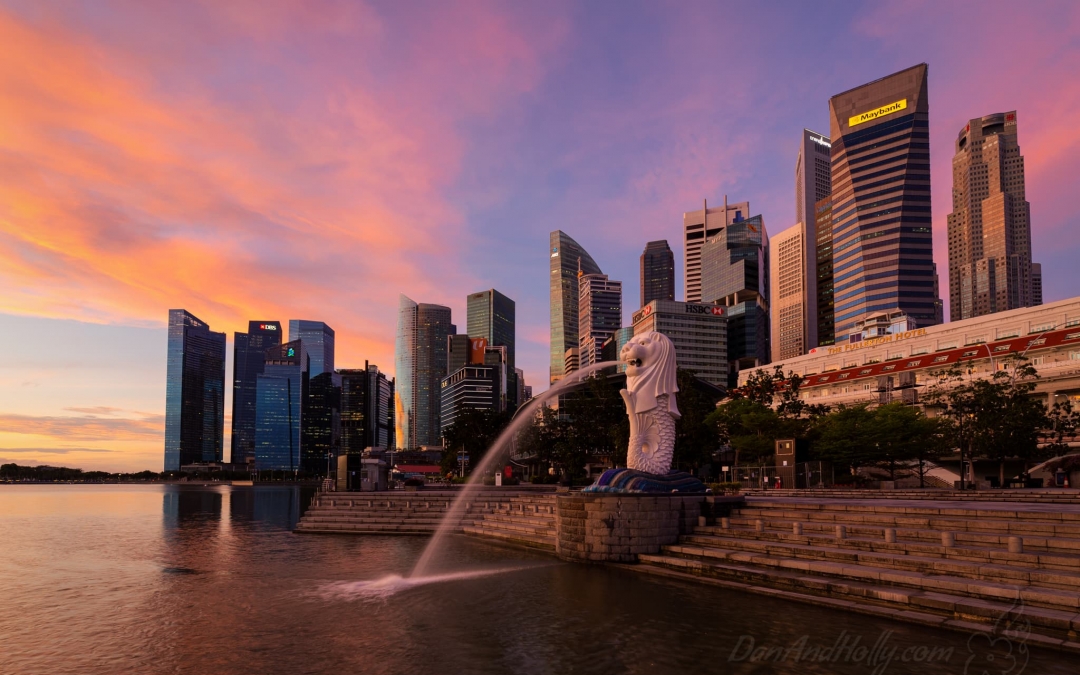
x: 650, y: 370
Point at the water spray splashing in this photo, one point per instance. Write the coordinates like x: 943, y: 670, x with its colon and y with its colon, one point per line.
x: 383, y: 588
x: 493, y: 457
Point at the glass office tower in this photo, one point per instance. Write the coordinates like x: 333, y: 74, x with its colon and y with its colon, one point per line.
x: 367, y: 410
x: 734, y: 273
x: 321, y: 429
x: 881, y: 226
x: 657, y: 265
x: 280, y: 393
x: 194, y: 392
x: 249, y: 355
x: 318, y: 341
x: 420, y: 357
x: 567, y: 257
x: 490, y: 314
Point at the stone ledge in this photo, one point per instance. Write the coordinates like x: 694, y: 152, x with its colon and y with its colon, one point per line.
x: 616, y: 527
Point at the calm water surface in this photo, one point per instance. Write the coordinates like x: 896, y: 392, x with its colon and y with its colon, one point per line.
x: 179, y: 579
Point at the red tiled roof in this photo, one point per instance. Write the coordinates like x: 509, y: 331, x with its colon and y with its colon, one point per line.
x: 939, y: 360
x: 417, y: 468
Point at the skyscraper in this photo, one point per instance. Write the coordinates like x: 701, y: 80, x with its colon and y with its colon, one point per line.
x: 367, y: 408
x: 789, y: 311
x: 249, y: 355
x: 699, y: 227
x: 420, y: 357
x: 735, y: 274
x: 813, y: 183
x: 599, y: 314
x: 698, y: 332
x: 194, y: 392
x: 321, y: 431
x: 824, y: 274
x: 990, y: 268
x: 490, y: 314
x: 318, y: 342
x: 657, y: 272
x: 882, y: 245
x: 567, y: 257
x: 813, y: 175
x: 280, y: 394
x: 1036, y: 284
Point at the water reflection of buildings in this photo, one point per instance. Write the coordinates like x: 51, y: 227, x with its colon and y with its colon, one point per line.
x: 206, y: 509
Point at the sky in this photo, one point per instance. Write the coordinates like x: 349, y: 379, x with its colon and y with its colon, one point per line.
x: 313, y: 160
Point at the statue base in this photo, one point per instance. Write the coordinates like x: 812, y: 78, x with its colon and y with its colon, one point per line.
x: 633, y: 481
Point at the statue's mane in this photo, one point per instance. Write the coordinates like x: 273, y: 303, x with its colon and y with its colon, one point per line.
x: 658, y: 378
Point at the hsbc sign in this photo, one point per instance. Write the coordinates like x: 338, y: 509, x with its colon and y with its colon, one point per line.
x: 666, y: 309
x: 705, y: 309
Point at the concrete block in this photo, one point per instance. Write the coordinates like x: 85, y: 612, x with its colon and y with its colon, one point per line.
x: 1016, y: 545
x: 841, y: 531
x: 725, y: 523
x: 948, y: 539
x: 796, y: 528
x: 890, y: 535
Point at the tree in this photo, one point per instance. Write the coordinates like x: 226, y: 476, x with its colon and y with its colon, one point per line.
x: 749, y: 427
x: 996, y: 418
x: 1062, y: 423
x: 474, y: 431
x: 903, y: 434
x: 695, y: 439
x: 847, y: 436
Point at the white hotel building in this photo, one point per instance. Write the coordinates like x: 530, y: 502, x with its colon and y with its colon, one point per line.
x: 896, y: 365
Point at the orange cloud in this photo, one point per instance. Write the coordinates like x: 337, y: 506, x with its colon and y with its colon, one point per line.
x: 132, y: 181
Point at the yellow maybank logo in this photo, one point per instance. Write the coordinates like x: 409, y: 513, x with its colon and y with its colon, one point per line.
x: 880, y: 112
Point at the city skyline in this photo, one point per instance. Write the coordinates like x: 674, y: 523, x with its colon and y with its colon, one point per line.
x: 286, y: 240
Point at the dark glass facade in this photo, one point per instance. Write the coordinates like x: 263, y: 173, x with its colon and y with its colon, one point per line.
x: 318, y: 339
x: 280, y: 393
x: 657, y: 272
x: 367, y: 410
x: 194, y: 392
x: 881, y: 218
x: 824, y: 266
x: 321, y: 429
x: 492, y: 315
x: 249, y: 355
x: 420, y: 357
x: 567, y: 257
x: 734, y: 273
x: 476, y: 387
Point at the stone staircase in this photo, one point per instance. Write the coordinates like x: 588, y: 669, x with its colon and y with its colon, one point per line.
x: 1033, y: 496
x: 514, y: 517
x: 933, y: 562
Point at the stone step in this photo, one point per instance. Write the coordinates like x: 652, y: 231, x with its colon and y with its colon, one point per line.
x: 1052, y: 625
x: 921, y: 534
x: 999, y: 511
x: 514, y: 518
x: 985, y: 524
x: 1045, y: 496
x: 546, y: 542
x: 366, y: 528
x: 977, y: 570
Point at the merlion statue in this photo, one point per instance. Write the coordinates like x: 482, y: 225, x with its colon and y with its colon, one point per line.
x: 650, y: 401
x: 650, y: 404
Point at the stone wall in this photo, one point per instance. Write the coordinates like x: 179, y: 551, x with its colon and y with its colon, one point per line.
x: 607, y: 527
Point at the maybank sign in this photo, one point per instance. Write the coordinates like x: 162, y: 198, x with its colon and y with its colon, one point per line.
x: 871, y: 115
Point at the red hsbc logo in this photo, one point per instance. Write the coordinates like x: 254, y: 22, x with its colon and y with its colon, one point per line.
x: 718, y: 311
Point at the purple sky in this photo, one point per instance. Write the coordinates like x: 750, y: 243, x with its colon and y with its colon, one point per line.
x: 280, y: 160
